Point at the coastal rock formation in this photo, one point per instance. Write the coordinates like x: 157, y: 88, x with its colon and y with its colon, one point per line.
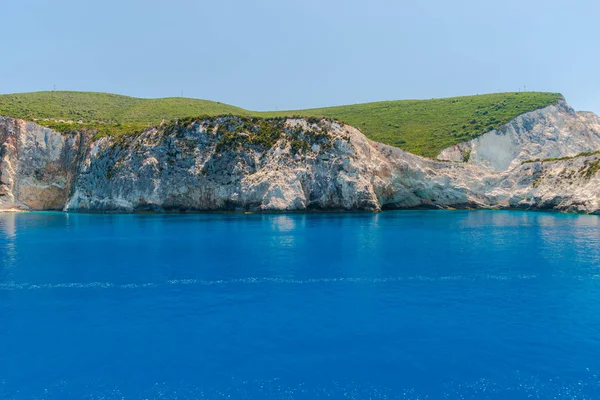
x: 243, y: 164
x: 37, y: 165
x: 570, y: 185
x: 227, y: 164
x: 554, y: 131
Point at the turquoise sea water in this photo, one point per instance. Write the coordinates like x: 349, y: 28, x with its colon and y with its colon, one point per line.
x: 407, y: 304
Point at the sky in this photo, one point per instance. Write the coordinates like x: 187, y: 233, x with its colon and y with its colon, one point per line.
x: 293, y: 54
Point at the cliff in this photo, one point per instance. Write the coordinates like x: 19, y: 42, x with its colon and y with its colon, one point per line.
x: 238, y: 163
x: 551, y: 132
x: 37, y: 165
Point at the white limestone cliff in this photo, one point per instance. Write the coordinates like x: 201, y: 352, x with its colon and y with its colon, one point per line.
x: 308, y: 165
x: 554, y: 131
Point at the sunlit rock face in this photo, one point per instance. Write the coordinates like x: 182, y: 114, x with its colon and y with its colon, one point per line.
x: 233, y: 164
x: 37, y: 165
x: 551, y: 132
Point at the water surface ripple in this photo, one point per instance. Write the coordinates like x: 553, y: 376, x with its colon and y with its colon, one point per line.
x: 396, y: 305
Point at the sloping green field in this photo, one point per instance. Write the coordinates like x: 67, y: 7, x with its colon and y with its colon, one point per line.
x: 104, y: 107
x: 108, y: 114
x: 423, y: 127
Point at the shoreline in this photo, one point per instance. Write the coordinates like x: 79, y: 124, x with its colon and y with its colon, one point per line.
x: 293, y: 212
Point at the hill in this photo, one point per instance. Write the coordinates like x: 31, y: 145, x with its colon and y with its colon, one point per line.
x: 423, y: 127
x: 103, y: 112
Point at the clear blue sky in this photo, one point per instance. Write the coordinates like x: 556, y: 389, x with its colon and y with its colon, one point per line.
x: 285, y: 54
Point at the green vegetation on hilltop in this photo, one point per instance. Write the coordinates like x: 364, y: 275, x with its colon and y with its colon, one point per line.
x: 107, y: 108
x: 426, y: 127
x: 238, y: 132
x: 108, y: 114
x: 423, y: 127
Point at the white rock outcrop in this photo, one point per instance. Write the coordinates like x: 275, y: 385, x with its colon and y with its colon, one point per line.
x: 554, y: 131
x: 37, y: 165
x: 221, y: 164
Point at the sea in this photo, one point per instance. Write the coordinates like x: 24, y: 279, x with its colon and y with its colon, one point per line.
x: 392, y: 305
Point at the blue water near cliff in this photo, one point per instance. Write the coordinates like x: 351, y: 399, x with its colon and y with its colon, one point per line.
x: 408, y: 305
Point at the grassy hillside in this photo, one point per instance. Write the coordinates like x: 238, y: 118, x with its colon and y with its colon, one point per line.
x: 103, y: 112
x: 426, y: 127
x: 104, y: 107
x: 423, y: 127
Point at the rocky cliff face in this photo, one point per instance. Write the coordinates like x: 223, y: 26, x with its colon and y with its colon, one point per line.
x: 37, y: 165
x: 554, y: 131
x: 231, y: 163
x: 568, y: 185
x: 228, y: 164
